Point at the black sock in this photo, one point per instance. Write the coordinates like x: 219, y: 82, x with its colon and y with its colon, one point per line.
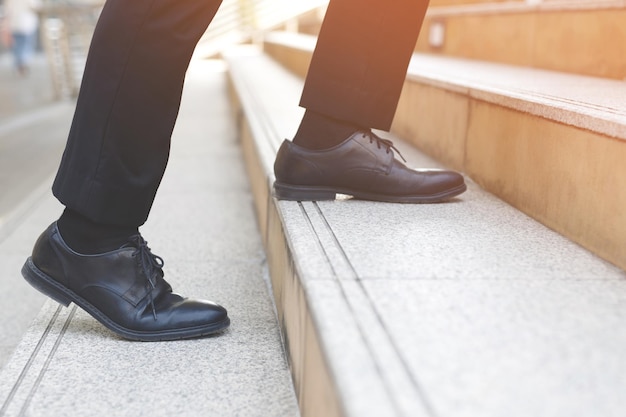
x: 88, y: 237
x: 317, y: 131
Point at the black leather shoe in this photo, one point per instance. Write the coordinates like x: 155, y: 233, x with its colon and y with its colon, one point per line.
x: 362, y: 166
x: 123, y: 289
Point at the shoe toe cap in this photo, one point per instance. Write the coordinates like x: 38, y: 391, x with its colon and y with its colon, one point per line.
x: 182, y: 314
x: 450, y: 179
x: 192, y: 312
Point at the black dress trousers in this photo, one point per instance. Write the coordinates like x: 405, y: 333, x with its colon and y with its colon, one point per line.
x: 360, y: 61
x: 119, y: 141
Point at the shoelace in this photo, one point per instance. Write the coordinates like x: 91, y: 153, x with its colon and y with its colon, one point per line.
x: 386, y: 143
x: 150, y: 263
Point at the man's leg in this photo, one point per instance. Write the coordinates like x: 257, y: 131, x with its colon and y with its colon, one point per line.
x: 118, y: 145
x: 113, y: 163
x: 120, y: 136
x: 361, y: 58
x: 353, y: 84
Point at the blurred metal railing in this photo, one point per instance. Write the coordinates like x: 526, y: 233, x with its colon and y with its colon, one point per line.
x: 66, y: 31
x: 245, y: 21
x: 67, y: 27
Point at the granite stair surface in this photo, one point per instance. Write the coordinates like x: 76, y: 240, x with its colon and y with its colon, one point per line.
x: 203, y: 225
x: 475, y: 307
x: 466, y: 308
x: 549, y: 143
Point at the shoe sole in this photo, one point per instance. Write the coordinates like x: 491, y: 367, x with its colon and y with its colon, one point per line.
x: 315, y: 193
x: 63, y: 295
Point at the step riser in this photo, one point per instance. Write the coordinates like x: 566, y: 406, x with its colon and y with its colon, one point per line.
x: 313, y: 384
x: 521, y: 158
x: 565, y: 177
x: 575, y: 41
x: 315, y: 388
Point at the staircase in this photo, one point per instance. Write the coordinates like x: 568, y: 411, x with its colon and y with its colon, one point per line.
x: 505, y: 302
x: 520, y: 131
x: 509, y: 300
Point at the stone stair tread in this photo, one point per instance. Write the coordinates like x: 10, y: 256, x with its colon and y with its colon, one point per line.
x: 520, y: 133
x: 587, y: 102
x: 465, y: 308
x: 203, y: 226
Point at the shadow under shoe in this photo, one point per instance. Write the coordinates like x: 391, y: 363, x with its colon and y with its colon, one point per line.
x: 123, y: 289
x: 363, y: 166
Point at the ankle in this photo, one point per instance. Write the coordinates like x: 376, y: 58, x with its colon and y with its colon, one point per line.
x: 88, y: 237
x: 318, y: 131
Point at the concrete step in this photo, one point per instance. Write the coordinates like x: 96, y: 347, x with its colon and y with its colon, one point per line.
x: 584, y: 37
x: 203, y: 225
x: 549, y: 143
x: 468, y: 308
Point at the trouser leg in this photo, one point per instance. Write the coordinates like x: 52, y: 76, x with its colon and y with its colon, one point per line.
x: 360, y: 61
x: 119, y: 141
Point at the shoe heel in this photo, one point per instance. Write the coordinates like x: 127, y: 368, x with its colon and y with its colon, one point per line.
x: 293, y: 193
x: 39, y: 281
